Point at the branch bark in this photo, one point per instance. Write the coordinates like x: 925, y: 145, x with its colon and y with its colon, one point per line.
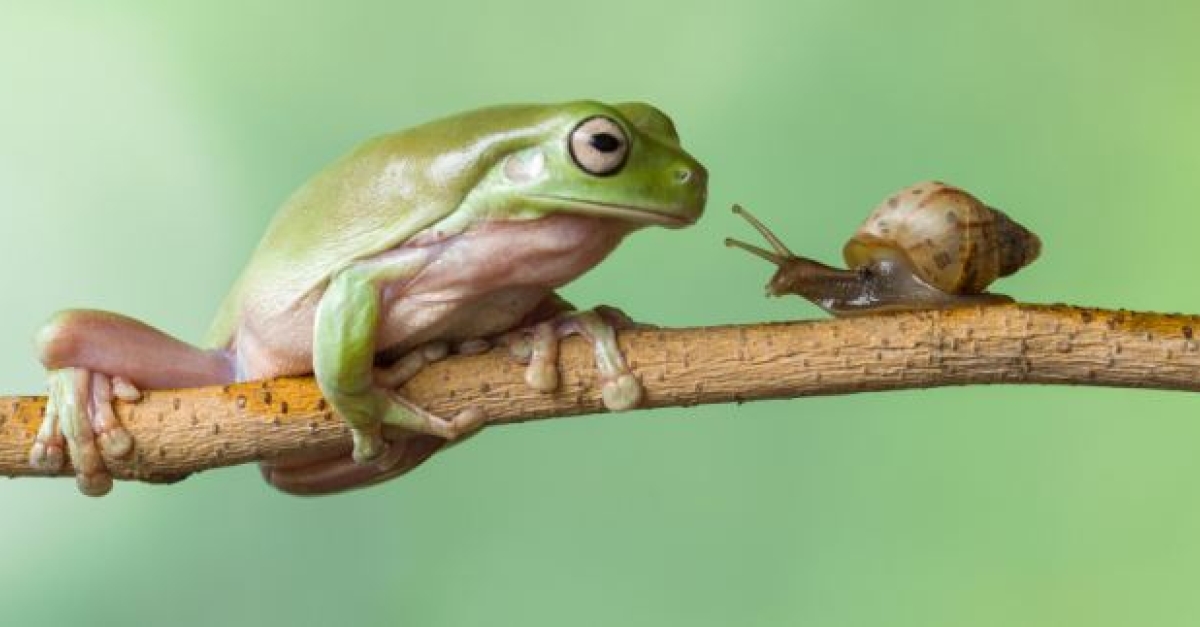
x: 179, y: 432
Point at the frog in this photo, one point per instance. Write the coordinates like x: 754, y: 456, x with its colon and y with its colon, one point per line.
x: 453, y: 236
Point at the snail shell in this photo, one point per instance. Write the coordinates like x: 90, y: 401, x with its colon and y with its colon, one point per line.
x: 950, y: 239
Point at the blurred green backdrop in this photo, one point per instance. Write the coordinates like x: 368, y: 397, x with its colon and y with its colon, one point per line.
x: 143, y: 146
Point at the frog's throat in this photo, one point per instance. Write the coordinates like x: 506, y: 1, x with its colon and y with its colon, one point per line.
x: 641, y: 215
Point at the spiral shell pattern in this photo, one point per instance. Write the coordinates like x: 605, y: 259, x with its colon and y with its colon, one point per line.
x: 951, y: 240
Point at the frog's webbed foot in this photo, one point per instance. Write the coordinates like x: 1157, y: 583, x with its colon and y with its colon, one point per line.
x: 402, y: 438
x: 537, y: 346
x: 79, y: 415
x: 370, y: 445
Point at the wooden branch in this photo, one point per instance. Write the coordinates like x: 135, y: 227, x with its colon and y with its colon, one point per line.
x: 179, y: 432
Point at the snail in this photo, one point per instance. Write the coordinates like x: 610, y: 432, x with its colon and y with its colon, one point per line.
x: 929, y: 246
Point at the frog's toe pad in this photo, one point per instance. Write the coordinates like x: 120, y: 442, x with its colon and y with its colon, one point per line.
x: 467, y: 422
x: 542, y: 376
x: 622, y: 392
x: 125, y: 390
x: 94, y: 484
x: 47, y: 456
x: 473, y: 346
x: 368, y: 447
x: 520, y: 347
x: 115, y: 442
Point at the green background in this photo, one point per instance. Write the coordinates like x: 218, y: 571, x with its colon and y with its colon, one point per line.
x: 143, y: 147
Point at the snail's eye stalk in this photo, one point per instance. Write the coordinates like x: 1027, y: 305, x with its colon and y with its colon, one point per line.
x: 756, y: 251
x: 762, y: 228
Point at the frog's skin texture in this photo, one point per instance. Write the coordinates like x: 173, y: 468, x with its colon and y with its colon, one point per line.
x: 451, y: 235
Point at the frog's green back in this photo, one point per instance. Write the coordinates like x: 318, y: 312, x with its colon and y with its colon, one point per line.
x: 373, y: 199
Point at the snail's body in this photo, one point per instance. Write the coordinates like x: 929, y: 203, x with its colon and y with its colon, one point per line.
x: 929, y: 246
x: 879, y: 286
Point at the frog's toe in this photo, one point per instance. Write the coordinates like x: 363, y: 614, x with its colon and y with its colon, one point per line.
x: 114, y: 440
x: 409, y: 416
x: 467, y: 422
x: 622, y: 392
x: 519, y: 346
x: 372, y: 450
x: 125, y: 390
x: 74, y: 391
x: 94, y: 483
x: 542, y: 376
x: 47, y: 457
x: 463, y: 423
x: 90, y: 473
x: 47, y: 454
x: 473, y: 346
x: 537, y: 346
x: 369, y: 445
x: 620, y: 389
x: 407, y: 366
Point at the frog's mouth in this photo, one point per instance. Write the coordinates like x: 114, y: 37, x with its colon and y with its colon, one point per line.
x: 672, y: 218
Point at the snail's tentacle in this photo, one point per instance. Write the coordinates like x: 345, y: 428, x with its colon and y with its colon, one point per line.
x: 770, y: 236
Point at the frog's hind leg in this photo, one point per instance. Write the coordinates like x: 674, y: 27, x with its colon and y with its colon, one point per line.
x: 95, y: 357
x: 121, y: 346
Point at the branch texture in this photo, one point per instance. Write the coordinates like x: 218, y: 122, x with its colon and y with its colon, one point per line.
x: 179, y: 432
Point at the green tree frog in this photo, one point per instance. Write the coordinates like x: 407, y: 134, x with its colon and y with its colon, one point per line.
x: 448, y: 236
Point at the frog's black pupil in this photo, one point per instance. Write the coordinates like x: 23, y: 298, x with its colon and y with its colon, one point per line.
x: 605, y: 142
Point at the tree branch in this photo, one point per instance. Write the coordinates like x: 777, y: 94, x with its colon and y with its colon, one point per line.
x: 179, y: 432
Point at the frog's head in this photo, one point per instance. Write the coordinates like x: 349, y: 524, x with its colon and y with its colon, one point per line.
x: 622, y: 162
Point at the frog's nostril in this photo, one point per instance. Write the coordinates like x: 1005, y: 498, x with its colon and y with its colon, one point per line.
x: 683, y: 175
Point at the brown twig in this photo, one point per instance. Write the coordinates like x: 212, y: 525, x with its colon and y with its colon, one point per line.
x: 179, y: 432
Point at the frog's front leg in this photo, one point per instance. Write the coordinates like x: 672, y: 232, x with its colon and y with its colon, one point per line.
x: 537, y: 346
x: 344, y: 348
x: 334, y: 470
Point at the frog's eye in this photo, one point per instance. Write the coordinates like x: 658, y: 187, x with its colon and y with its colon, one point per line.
x: 599, y: 146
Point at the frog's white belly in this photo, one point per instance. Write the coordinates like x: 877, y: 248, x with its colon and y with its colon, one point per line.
x: 476, y: 284
x: 411, y: 321
x: 486, y: 281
